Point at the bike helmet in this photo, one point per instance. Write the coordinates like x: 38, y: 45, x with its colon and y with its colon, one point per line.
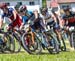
x: 3, y: 5
x: 22, y: 8
x: 66, y: 8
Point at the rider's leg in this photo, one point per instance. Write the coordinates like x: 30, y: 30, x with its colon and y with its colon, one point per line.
x: 58, y: 36
x: 1, y: 22
x: 32, y: 35
x: 32, y: 28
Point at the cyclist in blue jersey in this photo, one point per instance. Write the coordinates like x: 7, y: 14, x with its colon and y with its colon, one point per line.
x: 25, y: 14
x: 33, y: 17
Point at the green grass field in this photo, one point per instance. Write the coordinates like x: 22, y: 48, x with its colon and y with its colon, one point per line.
x: 69, y: 55
x: 23, y: 56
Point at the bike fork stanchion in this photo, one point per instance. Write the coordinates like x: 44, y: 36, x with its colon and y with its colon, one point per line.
x: 71, y: 41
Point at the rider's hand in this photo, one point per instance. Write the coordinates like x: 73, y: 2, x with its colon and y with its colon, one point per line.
x: 67, y: 28
x: 8, y: 27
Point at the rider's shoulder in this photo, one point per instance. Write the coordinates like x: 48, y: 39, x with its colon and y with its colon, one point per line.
x: 63, y: 15
x: 30, y: 12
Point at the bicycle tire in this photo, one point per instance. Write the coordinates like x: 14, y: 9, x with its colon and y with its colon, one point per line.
x: 27, y: 49
x: 17, y: 41
x: 9, y: 43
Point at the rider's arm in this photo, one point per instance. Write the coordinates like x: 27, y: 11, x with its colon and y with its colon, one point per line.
x: 14, y: 13
x: 1, y: 22
x: 54, y: 18
x: 43, y: 20
x: 21, y: 26
x: 48, y: 18
x: 43, y: 23
x: 66, y: 20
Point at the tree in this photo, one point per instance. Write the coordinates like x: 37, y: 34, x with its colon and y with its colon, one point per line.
x: 44, y: 3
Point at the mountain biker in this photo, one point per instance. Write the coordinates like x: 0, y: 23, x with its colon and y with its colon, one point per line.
x: 25, y: 14
x: 47, y: 18
x: 57, y: 29
x: 33, y: 17
x: 11, y: 13
x: 37, y: 23
x: 69, y: 18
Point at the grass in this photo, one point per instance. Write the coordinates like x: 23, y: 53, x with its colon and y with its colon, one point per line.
x: 45, y: 56
x: 23, y: 56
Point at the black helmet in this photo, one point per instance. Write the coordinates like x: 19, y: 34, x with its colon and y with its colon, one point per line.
x: 17, y: 6
x: 66, y: 8
x: 3, y: 5
x: 44, y: 9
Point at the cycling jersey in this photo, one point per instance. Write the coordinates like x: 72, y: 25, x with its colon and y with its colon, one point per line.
x: 10, y: 15
x: 30, y: 13
x: 37, y: 23
x: 48, y: 21
x: 34, y: 23
x: 70, y: 18
x: 46, y: 16
x: 26, y: 18
x: 56, y: 19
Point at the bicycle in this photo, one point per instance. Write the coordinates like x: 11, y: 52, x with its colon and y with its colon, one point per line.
x: 53, y: 41
x: 40, y: 40
x: 27, y: 42
x: 16, y: 38
x: 8, y: 42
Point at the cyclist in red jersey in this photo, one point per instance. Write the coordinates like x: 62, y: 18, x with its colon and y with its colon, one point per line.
x: 12, y: 14
x: 69, y: 17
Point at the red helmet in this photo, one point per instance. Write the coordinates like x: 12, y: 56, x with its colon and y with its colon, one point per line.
x: 3, y: 5
x: 22, y: 8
